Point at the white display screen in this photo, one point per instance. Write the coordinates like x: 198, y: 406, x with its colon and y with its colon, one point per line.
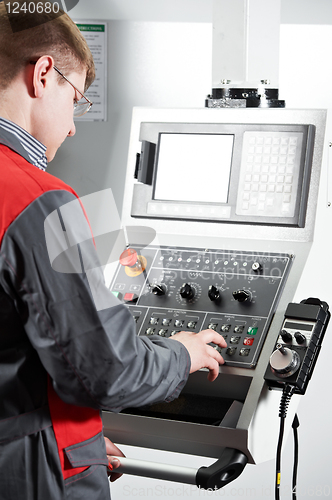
x: 194, y: 167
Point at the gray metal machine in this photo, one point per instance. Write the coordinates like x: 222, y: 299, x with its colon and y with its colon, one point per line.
x: 219, y: 206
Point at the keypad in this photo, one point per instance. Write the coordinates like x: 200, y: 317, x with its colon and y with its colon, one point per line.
x: 269, y: 174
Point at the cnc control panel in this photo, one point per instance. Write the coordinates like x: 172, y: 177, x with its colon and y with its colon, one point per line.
x: 233, y: 292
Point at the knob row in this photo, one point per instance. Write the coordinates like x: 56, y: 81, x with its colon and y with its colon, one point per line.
x: 187, y: 292
x: 288, y: 337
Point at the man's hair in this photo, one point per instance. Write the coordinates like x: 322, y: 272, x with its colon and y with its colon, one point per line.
x: 26, y: 36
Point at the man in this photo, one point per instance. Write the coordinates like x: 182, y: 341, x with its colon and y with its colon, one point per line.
x: 61, y: 359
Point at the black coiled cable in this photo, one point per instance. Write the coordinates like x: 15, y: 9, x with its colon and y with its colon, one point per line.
x: 287, y: 393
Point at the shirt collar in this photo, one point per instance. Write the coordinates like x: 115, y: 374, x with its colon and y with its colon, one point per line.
x: 23, y: 143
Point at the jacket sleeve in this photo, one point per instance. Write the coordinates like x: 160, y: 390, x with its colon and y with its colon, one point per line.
x: 84, y: 336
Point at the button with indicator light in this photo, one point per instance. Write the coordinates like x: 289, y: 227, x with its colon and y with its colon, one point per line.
x: 256, y: 267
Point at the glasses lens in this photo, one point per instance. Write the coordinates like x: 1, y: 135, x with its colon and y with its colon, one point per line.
x: 81, y: 108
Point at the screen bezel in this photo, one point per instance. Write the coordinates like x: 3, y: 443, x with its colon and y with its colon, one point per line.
x: 144, y: 205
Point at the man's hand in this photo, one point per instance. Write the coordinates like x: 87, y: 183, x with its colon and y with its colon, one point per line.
x: 112, y: 450
x: 201, y: 354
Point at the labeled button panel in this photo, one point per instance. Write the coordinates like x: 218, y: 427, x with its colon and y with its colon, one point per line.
x: 234, y: 293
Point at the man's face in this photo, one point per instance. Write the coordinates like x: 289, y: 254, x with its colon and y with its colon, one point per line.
x: 57, y: 121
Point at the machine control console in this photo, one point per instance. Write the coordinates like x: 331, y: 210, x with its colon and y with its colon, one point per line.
x: 234, y: 293
x: 298, y: 345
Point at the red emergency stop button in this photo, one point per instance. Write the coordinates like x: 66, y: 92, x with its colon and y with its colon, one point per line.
x: 128, y: 257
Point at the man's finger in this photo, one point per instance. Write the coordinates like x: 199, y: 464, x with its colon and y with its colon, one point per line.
x: 212, y: 336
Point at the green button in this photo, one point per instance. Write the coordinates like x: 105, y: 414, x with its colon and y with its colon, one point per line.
x: 116, y: 294
x: 252, y: 330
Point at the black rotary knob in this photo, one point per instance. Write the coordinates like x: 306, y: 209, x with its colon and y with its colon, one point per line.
x: 158, y: 289
x: 213, y: 293
x: 241, y: 295
x: 300, y: 338
x: 286, y: 336
x: 186, y: 291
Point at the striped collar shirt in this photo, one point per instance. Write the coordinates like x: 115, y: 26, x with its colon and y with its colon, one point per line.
x: 23, y: 143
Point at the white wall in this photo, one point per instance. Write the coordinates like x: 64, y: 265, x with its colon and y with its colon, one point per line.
x: 163, y: 64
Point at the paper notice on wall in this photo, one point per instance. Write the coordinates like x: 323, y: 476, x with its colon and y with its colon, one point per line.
x: 95, y: 34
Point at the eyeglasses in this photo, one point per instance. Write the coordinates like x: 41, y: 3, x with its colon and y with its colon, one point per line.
x: 84, y: 104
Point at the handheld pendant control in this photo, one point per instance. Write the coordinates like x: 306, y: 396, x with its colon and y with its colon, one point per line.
x: 298, y: 345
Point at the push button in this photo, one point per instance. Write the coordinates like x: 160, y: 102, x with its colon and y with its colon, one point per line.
x: 252, y: 330
x: 225, y: 328
x: 154, y: 321
x: 150, y: 331
x: 162, y: 332
x: 130, y: 297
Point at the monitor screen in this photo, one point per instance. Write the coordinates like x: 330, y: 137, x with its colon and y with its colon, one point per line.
x: 194, y: 167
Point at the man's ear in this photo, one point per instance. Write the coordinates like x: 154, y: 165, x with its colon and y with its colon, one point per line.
x: 43, y: 70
